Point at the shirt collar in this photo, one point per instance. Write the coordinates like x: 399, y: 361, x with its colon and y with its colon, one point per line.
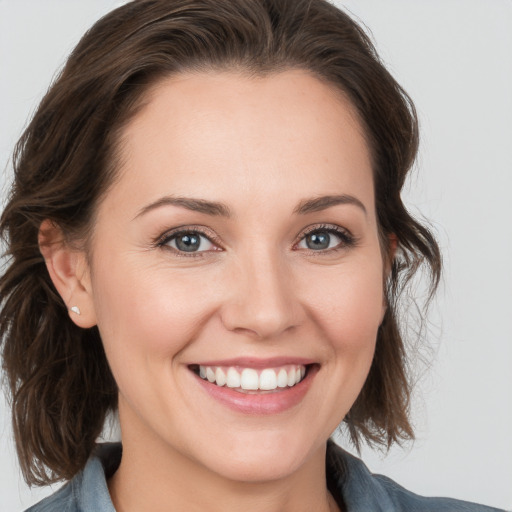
x: 353, y: 485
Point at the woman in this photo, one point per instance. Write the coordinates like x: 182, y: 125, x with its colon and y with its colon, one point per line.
x: 206, y: 234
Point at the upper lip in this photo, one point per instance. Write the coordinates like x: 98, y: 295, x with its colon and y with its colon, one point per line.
x: 254, y: 362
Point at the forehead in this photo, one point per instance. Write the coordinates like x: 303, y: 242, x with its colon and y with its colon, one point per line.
x: 210, y: 133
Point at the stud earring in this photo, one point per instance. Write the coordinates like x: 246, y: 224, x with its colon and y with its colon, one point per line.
x: 75, y: 310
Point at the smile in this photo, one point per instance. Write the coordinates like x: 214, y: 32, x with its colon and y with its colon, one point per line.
x: 246, y: 380
x: 256, y: 387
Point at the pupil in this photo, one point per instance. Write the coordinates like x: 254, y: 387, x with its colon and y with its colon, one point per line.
x: 318, y: 241
x: 188, y: 243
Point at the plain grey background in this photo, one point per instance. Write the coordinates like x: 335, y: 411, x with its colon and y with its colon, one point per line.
x: 454, y: 57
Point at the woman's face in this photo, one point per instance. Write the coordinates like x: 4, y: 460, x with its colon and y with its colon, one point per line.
x: 239, y: 244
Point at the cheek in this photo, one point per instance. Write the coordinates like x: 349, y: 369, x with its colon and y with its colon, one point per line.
x: 143, y: 322
x: 149, y: 312
x: 350, y: 306
x: 347, y: 305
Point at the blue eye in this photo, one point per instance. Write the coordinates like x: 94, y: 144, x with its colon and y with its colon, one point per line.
x: 189, y: 242
x: 323, y: 239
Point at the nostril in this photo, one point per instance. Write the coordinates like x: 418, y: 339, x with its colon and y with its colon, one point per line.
x: 261, y: 311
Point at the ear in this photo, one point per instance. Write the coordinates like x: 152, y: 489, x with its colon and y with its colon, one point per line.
x: 69, y: 272
x: 388, y: 257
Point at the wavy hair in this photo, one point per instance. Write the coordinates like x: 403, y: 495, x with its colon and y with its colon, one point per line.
x: 59, y: 382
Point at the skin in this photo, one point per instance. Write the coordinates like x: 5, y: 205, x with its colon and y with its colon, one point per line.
x: 260, y: 146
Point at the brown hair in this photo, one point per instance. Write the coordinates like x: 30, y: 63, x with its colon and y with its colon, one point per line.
x: 59, y: 380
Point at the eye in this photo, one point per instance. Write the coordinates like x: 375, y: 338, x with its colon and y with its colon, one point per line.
x: 326, y: 238
x: 190, y: 241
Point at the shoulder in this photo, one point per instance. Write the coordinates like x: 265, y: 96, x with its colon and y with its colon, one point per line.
x: 407, y: 500
x: 364, y: 491
x: 64, y: 499
x: 87, y: 491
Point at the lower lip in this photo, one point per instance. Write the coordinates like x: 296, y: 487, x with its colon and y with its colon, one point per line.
x: 260, y: 403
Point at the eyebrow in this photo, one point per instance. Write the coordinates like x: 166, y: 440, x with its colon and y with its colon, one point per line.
x: 318, y: 204
x: 197, y: 205
x: 219, y: 209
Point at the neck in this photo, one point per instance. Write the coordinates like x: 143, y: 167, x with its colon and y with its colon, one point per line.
x: 158, y: 478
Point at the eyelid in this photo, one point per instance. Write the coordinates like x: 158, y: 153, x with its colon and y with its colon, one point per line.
x: 164, y: 239
x: 348, y: 239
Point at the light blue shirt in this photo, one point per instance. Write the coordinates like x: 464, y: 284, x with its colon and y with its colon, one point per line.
x: 349, y: 480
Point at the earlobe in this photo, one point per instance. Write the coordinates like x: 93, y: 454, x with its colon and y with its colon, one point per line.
x: 69, y: 272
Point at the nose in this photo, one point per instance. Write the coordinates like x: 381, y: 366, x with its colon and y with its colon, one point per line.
x: 262, y: 302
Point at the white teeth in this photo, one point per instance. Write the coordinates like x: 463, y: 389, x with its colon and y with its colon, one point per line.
x: 250, y: 379
x: 210, y: 374
x: 232, y: 379
x: 268, y: 380
x: 291, y: 377
x: 282, y: 378
x: 220, y: 377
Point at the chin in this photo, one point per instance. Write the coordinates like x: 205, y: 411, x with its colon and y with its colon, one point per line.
x: 262, y: 459
x: 258, y: 470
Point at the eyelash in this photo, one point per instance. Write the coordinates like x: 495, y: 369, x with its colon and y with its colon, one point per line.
x: 347, y: 239
x: 163, y: 240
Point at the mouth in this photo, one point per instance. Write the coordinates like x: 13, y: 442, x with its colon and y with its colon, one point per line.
x: 256, y: 388
x: 253, y: 380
